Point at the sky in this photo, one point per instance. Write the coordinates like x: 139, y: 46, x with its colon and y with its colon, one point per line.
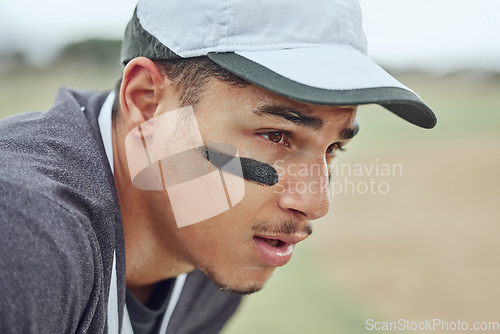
x: 432, y: 35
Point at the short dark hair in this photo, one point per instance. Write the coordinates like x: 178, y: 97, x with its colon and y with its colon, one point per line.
x: 189, y: 76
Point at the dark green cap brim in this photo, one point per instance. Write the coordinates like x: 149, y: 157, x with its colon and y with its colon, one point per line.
x: 401, y: 102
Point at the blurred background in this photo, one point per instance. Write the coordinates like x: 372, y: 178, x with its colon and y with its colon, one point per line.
x: 423, y: 244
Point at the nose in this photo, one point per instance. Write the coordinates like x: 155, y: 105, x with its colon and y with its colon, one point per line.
x: 305, y: 189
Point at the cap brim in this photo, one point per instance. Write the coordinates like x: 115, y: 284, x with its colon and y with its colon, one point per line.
x: 327, y: 76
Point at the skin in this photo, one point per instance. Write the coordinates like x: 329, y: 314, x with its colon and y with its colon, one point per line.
x: 223, y: 246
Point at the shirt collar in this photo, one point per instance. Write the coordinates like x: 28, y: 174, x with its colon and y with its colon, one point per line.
x: 105, y: 126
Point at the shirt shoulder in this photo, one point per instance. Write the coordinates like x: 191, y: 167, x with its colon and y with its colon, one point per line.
x: 58, y: 214
x: 51, y: 272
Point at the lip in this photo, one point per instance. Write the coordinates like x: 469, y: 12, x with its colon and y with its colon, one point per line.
x: 279, y: 255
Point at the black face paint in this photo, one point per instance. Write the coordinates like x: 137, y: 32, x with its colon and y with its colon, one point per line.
x: 253, y: 170
x: 188, y: 167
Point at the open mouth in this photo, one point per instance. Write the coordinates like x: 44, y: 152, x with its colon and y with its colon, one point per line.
x: 273, y: 252
x: 272, y: 242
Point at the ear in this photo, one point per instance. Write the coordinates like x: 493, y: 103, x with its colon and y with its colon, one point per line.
x: 141, y: 91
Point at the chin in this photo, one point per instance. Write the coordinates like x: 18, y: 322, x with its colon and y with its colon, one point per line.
x: 236, y: 291
x: 240, y: 284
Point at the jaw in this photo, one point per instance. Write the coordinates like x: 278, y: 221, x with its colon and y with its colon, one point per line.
x: 244, y: 282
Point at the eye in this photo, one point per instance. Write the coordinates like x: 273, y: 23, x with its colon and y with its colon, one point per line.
x: 276, y: 137
x: 334, y: 147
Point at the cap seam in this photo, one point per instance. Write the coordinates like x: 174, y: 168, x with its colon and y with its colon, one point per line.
x: 228, y: 9
x: 221, y: 22
x: 350, y: 24
x: 343, y: 16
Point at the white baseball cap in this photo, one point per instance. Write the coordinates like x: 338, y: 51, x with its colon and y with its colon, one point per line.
x: 312, y: 51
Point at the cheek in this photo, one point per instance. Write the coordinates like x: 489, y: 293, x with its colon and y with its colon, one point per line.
x: 229, y: 236
x: 213, y: 236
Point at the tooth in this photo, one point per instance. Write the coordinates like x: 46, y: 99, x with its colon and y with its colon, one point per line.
x: 273, y: 243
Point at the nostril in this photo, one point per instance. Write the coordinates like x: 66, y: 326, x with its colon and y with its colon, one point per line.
x: 298, y: 214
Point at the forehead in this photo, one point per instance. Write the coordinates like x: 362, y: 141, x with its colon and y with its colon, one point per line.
x: 252, y: 98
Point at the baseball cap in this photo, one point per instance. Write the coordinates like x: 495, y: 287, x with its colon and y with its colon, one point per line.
x: 312, y: 51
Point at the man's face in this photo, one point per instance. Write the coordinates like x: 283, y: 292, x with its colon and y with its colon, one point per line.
x: 240, y: 248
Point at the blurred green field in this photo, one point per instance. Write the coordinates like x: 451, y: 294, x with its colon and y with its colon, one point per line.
x: 419, y: 252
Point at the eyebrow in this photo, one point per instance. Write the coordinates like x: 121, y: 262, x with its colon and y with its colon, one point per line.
x: 291, y: 114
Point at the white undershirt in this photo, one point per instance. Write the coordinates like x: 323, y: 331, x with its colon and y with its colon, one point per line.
x: 105, y: 128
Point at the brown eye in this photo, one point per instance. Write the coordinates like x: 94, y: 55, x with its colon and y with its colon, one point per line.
x: 333, y: 147
x: 276, y: 137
